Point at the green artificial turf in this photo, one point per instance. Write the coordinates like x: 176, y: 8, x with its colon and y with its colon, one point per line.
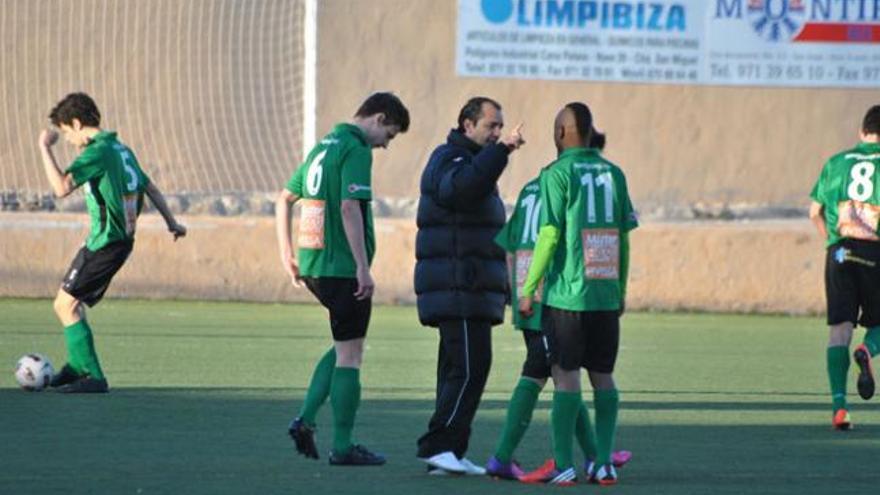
x: 202, y: 394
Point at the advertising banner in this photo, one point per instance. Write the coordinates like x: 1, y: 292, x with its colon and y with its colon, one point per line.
x: 800, y: 43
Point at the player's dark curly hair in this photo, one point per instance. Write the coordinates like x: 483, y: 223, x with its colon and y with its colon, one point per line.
x: 597, y: 140
x: 473, y: 110
x: 387, y: 104
x: 583, y: 119
x: 871, y: 124
x: 78, y: 106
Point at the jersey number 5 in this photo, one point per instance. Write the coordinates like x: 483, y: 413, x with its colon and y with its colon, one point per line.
x: 129, y: 201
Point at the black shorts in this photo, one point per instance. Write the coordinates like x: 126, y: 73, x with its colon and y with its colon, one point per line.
x: 90, y: 272
x: 582, y: 339
x: 852, y: 282
x: 537, y: 364
x: 349, y: 317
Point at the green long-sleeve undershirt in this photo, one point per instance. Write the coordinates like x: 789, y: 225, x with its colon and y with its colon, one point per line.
x: 548, y: 238
x: 624, y: 264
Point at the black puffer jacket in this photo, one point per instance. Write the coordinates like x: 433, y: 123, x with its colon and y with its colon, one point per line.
x: 460, y: 271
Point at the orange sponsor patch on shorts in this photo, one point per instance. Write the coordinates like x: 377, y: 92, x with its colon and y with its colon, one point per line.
x: 858, y: 220
x: 601, y: 253
x: 311, y: 224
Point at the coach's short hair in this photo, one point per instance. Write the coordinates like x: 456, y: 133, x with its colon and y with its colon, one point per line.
x: 583, y: 119
x: 871, y: 123
x: 78, y: 106
x: 387, y: 104
x: 473, y: 110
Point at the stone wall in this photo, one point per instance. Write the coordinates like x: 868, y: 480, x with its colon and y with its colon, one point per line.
x: 767, y: 266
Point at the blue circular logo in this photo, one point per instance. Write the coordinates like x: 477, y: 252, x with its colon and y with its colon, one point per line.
x: 497, y: 11
x: 776, y: 20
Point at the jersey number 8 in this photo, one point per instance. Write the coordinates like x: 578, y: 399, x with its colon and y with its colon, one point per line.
x: 862, y: 186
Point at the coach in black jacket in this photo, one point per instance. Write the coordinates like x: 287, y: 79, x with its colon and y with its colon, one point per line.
x: 461, y: 274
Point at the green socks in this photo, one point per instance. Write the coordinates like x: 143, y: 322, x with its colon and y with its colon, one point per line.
x: 564, y: 415
x: 606, y: 402
x: 872, y: 340
x: 319, y: 387
x: 81, y: 349
x: 584, y: 433
x: 838, y: 366
x: 519, y: 415
x: 345, y: 397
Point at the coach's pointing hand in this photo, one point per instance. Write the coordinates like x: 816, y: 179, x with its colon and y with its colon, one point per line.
x: 515, y: 139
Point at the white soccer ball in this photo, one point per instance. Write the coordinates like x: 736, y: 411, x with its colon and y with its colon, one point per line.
x: 34, y: 372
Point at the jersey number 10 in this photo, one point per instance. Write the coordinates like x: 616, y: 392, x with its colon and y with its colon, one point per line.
x: 532, y: 205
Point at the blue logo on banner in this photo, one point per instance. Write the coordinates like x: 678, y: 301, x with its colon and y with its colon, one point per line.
x: 776, y: 20
x: 773, y: 20
x: 601, y: 14
x: 497, y: 11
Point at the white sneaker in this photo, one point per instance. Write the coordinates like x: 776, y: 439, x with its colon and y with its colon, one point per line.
x: 604, y: 475
x: 471, y: 468
x: 445, y: 461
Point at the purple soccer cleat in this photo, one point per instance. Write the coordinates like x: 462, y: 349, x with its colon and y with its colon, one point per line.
x: 620, y: 457
x: 503, y: 470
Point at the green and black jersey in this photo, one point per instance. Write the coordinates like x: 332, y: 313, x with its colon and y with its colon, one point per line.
x: 585, y: 197
x: 517, y: 238
x: 849, y: 190
x: 114, y: 186
x: 338, y: 168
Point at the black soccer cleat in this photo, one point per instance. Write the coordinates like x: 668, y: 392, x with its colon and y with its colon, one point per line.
x: 85, y: 385
x: 64, y: 376
x: 357, y: 455
x: 303, y: 437
x: 866, y: 375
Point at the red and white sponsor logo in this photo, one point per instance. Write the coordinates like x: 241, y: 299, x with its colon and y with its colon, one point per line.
x: 601, y: 249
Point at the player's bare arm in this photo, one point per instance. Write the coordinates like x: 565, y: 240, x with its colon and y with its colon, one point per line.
x: 283, y: 206
x: 353, y: 223
x: 62, y: 184
x: 817, y: 216
x: 158, y: 200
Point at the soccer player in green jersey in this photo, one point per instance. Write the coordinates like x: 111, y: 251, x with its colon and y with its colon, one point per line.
x: 845, y: 210
x: 335, y: 248
x: 582, y: 255
x: 518, y: 238
x: 114, y: 187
